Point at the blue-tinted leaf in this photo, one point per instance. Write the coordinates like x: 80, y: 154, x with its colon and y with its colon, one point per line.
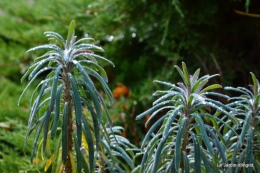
x: 157, y: 111
x: 158, y: 153
x: 57, y: 111
x: 186, y: 163
x: 35, y: 76
x: 31, y: 68
x: 171, y: 119
x: 86, y: 39
x: 203, y: 133
x: 142, y: 115
x: 240, y: 160
x: 77, y: 105
x: 100, y: 57
x: 41, y: 120
x: 216, y: 94
x: 241, y: 90
x: 244, y: 128
x: 46, y: 46
x: 51, y: 105
x: 78, y: 154
x: 104, y: 85
x: 206, y: 162
x: 65, y: 139
x: 54, y: 87
x: 57, y: 37
x: 57, y: 156
x: 123, y: 155
x: 218, y: 144
x: 165, y: 96
x: 95, y: 121
x: 249, y: 148
x: 88, y: 135
x: 177, y: 154
x: 84, y: 46
x: 169, y: 84
x: 256, y: 165
x: 152, y: 129
x: 196, y: 153
x: 83, y: 54
x: 108, y: 150
x: 46, y: 129
x: 36, y: 105
x: 98, y: 68
x: 94, y: 98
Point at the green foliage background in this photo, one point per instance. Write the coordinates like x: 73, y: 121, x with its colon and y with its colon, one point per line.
x: 144, y: 39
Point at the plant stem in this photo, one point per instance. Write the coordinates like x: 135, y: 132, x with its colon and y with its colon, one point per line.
x: 68, y: 166
x: 185, y: 136
x: 68, y: 99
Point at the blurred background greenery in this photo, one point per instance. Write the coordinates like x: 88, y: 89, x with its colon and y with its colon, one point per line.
x: 144, y: 38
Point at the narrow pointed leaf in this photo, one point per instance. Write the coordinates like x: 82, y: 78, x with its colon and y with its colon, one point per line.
x: 42, y: 119
x: 70, y: 34
x: 65, y: 133
x: 158, y: 154
x: 177, y: 154
x: 152, y: 129
x: 88, y: 135
x: 36, y: 105
x: 57, y: 111
x: 31, y: 68
x: 171, y: 119
x: 195, y: 77
x: 197, y: 151
x: 78, y: 154
x: 186, y: 76
x: 249, y: 148
x: 211, y: 87
x: 181, y: 73
x: 95, y: 122
x: 77, y: 105
x: 206, y: 162
x: 203, y: 133
x: 218, y: 145
x: 256, y: 83
x: 186, y: 163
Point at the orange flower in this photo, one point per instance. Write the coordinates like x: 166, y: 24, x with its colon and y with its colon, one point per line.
x: 121, y: 90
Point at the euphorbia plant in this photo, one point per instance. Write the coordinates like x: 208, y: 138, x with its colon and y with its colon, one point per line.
x: 244, y: 149
x: 182, y: 140
x: 67, y: 108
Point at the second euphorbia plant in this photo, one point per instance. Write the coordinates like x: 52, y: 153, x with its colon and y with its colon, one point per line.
x: 68, y: 109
